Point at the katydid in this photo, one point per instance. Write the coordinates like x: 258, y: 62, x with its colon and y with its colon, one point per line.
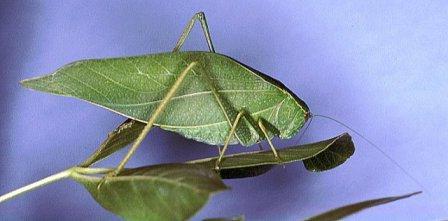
x: 205, y: 96
x: 207, y: 83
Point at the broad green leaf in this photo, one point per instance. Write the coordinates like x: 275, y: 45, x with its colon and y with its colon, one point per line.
x: 257, y: 162
x: 123, y: 135
x: 351, y: 209
x: 134, y: 86
x: 161, y: 192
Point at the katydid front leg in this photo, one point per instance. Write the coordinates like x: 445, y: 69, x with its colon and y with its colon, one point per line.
x: 232, y: 132
x: 151, y: 121
x: 265, y: 133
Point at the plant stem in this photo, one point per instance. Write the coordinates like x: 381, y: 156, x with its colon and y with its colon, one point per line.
x: 91, y: 170
x: 48, y: 180
x: 71, y: 172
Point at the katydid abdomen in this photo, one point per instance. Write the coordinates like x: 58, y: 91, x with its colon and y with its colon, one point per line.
x: 134, y: 86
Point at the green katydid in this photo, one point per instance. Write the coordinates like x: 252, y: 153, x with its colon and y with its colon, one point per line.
x: 208, y: 82
x: 204, y: 96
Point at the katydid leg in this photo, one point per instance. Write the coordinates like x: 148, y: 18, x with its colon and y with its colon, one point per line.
x: 200, y: 16
x: 153, y: 118
x: 229, y: 137
x: 265, y: 133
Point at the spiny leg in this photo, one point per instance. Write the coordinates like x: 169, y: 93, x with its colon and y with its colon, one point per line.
x: 229, y: 137
x: 153, y: 118
x: 201, y: 17
x: 264, y: 130
x: 229, y: 112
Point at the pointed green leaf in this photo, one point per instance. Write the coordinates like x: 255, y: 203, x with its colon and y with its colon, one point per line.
x: 334, y: 155
x: 351, y: 209
x: 161, y: 192
x: 316, y: 156
x: 123, y: 135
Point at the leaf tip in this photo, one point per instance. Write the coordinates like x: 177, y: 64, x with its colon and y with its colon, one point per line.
x: 415, y: 193
x: 23, y: 83
x: 27, y: 83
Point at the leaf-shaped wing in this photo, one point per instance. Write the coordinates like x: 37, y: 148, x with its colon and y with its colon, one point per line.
x: 135, y: 86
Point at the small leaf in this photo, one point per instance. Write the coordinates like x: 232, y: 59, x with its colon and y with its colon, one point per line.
x: 123, y: 135
x: 339, y: 213
x: 334, y: 155
x: 316, y: 157
x: 160, y: 192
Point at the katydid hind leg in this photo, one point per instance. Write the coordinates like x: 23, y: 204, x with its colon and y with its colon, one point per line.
x: 200, y: 16
x: 230, y: 113
x: 160, y: 108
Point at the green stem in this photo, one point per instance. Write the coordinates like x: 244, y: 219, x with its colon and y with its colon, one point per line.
x: 48, y: 180
x: 53, y: 178
x: 91, y: 170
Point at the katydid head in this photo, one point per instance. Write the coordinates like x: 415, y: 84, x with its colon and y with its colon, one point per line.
x: 296, y: 114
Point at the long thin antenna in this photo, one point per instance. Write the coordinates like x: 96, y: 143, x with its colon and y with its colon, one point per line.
x: 374, y: 145
x: 305, y: 129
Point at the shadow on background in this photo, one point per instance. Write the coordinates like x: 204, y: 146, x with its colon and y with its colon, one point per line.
x: 16, y: 30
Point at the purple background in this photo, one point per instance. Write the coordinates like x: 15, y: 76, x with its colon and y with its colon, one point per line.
x: 379, y: 66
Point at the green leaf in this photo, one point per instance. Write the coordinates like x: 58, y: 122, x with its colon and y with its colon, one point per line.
x: 134, y: 87
x: 160, y: 192
x: 321, y: 155
x: 339, y: 213
x: 123, y: 135
x: 334, y: 155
